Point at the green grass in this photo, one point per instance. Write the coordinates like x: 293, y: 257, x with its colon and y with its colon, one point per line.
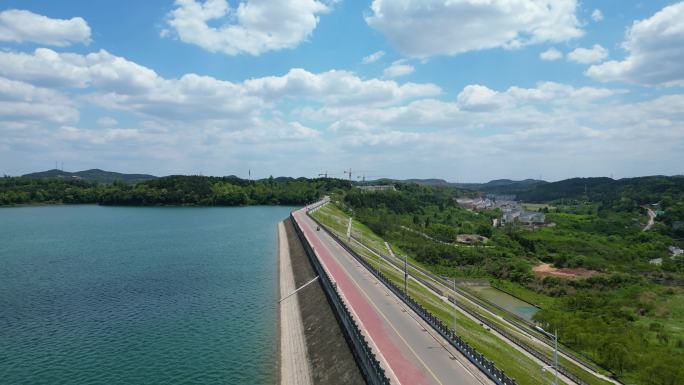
x: 524, y: 293
x: 491, y: 346
x: 515, y: 364
x: 537, y: 206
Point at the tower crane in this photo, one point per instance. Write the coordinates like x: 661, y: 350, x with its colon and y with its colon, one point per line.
x: 363, y: 178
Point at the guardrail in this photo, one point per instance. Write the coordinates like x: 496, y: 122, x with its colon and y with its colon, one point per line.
x: 369, y: 365
x: 518, y: 321
x: 486, y: 366
x: 542, y: 357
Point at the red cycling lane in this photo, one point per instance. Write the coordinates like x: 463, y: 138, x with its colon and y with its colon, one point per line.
x: 374, y: 326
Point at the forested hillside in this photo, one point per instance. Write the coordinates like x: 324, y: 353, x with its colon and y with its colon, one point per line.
x: 635, y: 191
x: 172, y: 190
x: 93, y: 175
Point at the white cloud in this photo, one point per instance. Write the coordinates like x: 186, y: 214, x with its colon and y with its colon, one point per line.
x: 597, y: 15
x: 50, y: 68
x: 254, y: 27
x: 398, y: 68
x: 337, y: 88
x: 476, y: 107
x: 20, y: 26
x: 438, y: 27
x: 107, y: 121
x: 479, y: 98
x: 119, y: 84
x: 306, y: 121
x: 551, y: 54
x: 23, y: 102
x: 103, y: 136
x: 372, y: 58
x: 514, y: 127
x: 655, y: 49
x: 588, y: 55
x: 561, y: 94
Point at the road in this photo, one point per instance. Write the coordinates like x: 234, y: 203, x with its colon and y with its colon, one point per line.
x: 397, y: 263
x: 651, y: 219
x: 408, y: 349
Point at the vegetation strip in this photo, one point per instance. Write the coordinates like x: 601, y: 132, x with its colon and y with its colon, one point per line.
x: 522, y: 344
x: 338, y: 224
x: 486, y: 366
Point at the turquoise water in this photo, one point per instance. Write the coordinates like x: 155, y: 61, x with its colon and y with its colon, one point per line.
x: 119, y: 295
x: 506, y: 301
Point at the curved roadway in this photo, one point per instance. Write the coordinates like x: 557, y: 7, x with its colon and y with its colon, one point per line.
x: 408, y: 349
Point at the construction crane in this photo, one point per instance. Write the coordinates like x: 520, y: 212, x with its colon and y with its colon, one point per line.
x: 349, y: 173
x: 326, y: 174
x: 363, y: 178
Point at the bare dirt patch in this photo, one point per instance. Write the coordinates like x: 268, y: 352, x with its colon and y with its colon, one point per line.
x: 546, y: 269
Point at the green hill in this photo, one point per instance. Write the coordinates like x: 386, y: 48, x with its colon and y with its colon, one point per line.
x: 93, y: 175
x: 647, y: 189
x: 505, y: 186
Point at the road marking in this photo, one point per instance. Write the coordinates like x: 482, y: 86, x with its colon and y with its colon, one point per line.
x: 386, y: 319
x: 351, y: 309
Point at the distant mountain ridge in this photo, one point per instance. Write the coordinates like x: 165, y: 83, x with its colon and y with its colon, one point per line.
x: 507, y: 186
x: 603, y: 188
x: 92, y: 175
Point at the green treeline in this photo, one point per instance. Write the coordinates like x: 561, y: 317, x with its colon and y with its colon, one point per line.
x: 621, y: 194
x: 628, y: 317
x: 172, y: 190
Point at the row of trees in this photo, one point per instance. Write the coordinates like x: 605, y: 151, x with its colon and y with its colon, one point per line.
x: 172, y: 190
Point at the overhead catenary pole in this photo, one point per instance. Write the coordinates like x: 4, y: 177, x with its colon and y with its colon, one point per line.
x: 405, y: 274
x: 555, y: 355
x: 454, y: 305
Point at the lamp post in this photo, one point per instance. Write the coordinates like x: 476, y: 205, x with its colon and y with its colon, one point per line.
x: 555, y: 354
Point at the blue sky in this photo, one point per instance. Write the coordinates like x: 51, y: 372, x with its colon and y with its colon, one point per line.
x: 458, y: 90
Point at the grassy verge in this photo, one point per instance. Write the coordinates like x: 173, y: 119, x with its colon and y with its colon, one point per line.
x: 517, y: 365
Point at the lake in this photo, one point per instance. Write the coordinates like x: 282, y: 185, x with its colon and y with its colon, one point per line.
x: 129, y: 295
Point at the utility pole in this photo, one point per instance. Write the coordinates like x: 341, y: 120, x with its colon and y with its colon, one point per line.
x: 406, y: 275
x: 454, y: 305
x: 555, y: 355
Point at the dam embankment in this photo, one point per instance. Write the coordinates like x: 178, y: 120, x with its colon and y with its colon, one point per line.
x: 313, y: 349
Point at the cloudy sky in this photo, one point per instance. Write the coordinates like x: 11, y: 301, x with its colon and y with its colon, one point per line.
x: 465, y: 90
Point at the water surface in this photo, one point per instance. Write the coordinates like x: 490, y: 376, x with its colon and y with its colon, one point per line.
x: 506, y: 301
x: 119, y: 295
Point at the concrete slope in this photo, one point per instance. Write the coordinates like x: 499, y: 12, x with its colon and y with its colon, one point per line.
x: 294, y: 361
x: 409, y: 350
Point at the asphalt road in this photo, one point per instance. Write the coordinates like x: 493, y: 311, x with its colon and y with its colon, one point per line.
x: 409, y: 350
